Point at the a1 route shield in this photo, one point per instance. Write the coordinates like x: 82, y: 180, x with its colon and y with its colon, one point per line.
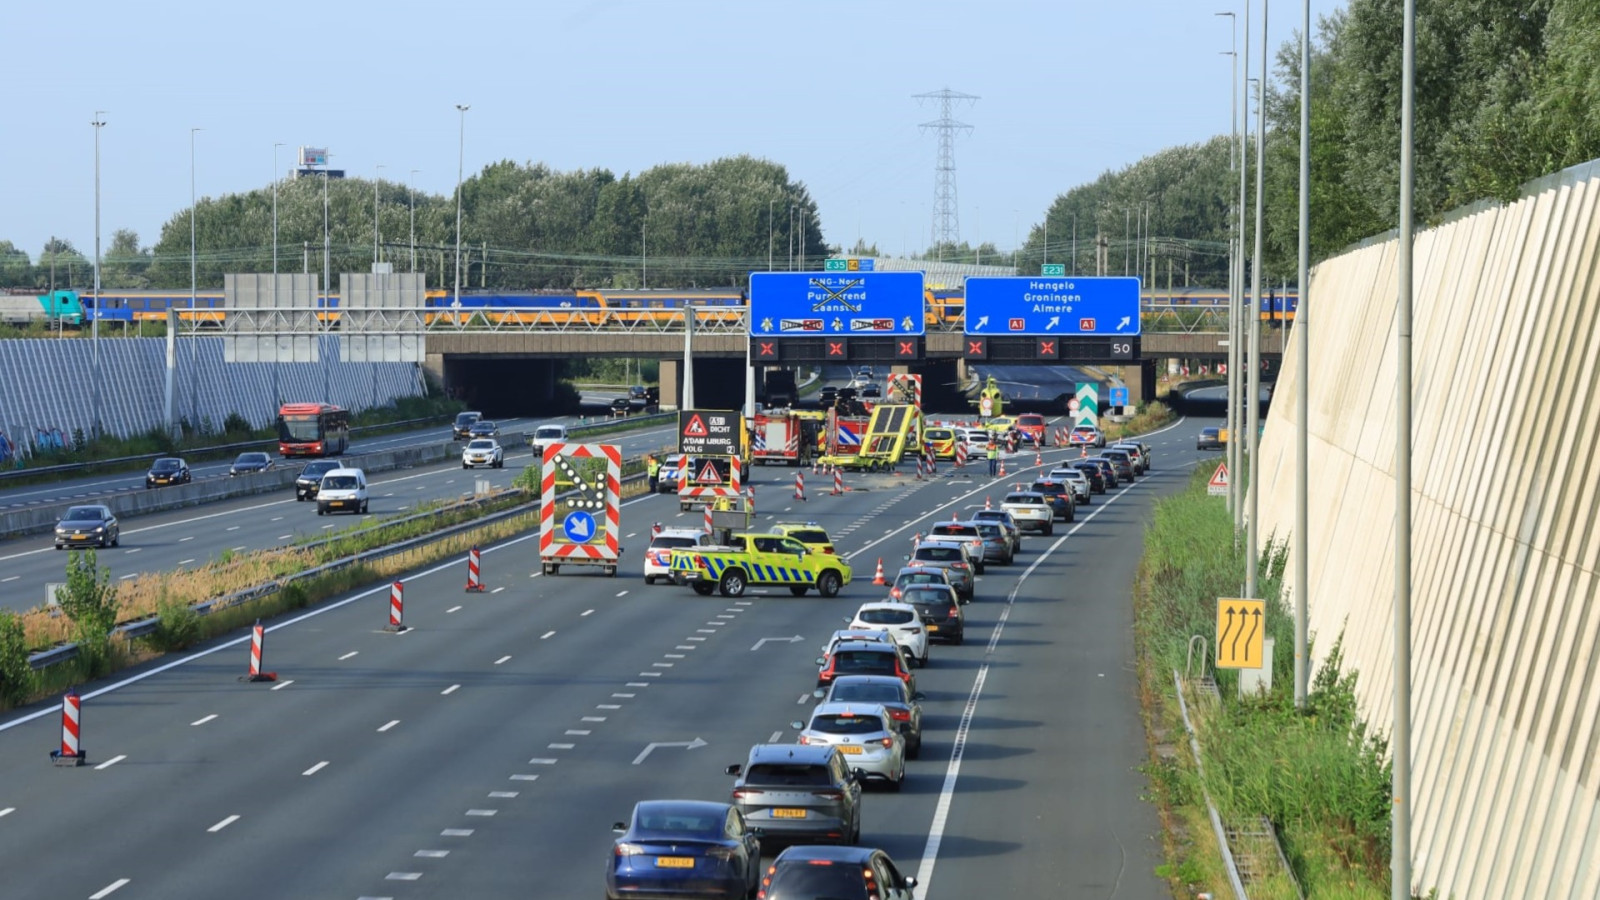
x: 834, y: 304
x: 1046, y: 306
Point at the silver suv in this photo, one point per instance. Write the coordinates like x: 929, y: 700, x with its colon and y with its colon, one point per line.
x: 799, y: 792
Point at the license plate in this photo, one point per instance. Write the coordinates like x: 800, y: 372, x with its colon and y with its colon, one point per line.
x: 788, y: 814
x: 674, y: 862
x: 933, y: 628
x: 849, y: 749
x: 76, y: 536
x: 335, y: 502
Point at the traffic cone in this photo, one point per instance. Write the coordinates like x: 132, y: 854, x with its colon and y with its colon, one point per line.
x: 397, y: 608
x: 800, y: 486
x: 1038, y: 457
x: 1002, y: 467
x: 258, y: 642
x: 655, y: 530
x: 1083, y: 451
x: 986, y: 503
x: 878, y: 578
x: 474, y: 578
x: 71, y: 752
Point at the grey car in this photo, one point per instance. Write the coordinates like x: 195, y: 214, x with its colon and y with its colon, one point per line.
x: 996, y: 543
x: 951, y: 557
x: 250, y: 462
x: 804, y: 793
x: 892, y: 693
x: 88, y: 526
x: 864, y: 733
x: 1121, y: 462
x: 965, y: 533
x: 1006, y: 521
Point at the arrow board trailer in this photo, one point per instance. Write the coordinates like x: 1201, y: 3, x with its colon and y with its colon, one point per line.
x: 580, y: 508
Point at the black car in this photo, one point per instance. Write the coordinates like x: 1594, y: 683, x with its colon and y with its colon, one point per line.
x: 250, y: 462
x: 1107, y: 470
x: 638, y: 392
x: 939, y: 607
x: 309, y: 481
x: 1095, y: 474
x: 621, y: 406
x: 463, y: 426
x: 828, y: 396
x: 87, y: 526
x: 483, y: 428
x: 803, y: 792
x: 1059, y: 495
x: 837, y: 873
x: 168, y: 470
x: 871, y: 391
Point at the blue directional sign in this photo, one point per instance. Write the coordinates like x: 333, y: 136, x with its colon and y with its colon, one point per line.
x: 579, y: 526
x: 1119, y: 395
x: 1052, y: 306
x: 854, y: 304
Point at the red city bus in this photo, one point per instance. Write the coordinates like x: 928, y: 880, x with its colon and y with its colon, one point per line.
x: 313, y: 429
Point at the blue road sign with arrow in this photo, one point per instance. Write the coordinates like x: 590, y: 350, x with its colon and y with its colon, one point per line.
x: 579, y: 526
x: 855, y: 304
x: 1052, y: 306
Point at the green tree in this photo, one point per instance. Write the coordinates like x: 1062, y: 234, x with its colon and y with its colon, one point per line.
x: 126, y: 264
x: 17, y: 678
x: 62, y: 267
x: 16, y: 270
x: 91, y: 602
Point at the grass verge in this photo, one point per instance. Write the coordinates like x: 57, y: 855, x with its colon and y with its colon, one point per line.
x: 1315, y: 773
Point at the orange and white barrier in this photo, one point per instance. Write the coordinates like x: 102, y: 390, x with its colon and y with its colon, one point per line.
x: 474, y: 572
x: 71, y: 752
x: 838, y: 482
x: 258, y: 646
x: 397, y: 608
x: 799, y: 485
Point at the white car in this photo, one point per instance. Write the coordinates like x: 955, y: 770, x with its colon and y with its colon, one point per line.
x: 902, y: 623
x: 1031, y: 511
x: 483, y: 452
x: 1078, y: 481
x: 658, y: 558
x: 877, y: 635
x: 864, y: 734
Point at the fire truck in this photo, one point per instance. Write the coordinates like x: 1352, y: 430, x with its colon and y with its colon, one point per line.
x: 784, y: 437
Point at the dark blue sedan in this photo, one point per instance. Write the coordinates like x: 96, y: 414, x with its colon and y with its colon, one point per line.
x: 683, y: 848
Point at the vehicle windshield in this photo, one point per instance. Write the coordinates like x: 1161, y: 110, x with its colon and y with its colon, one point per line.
x: 84, y: 513
x: 299, y: 428
x: 846, y: 724
x: 869, y: 693
x: 885, y: 616
x: 339, y: 483
x: 251, y: 459
x: 547, y: 434
x: 1050, y: 488
x: 1024, y: 498
x: 937, y: 434
x: 482, y: 425
x: 992, y: 532
x: 316, y: 469
x: 809, y: 536
x: 481, y: 445
x: 786, y: 775
x: 167, y: 465
x: 666, y: 542
x: 465, y: 419
x: 939, y: 554
x: 817, y: 878
x: 934, y: 577
x: 864, y: 662
x: 668, y: 821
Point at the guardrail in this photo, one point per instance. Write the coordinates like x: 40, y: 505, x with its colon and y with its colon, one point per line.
x: 267, y: 443
x: 57, y: 655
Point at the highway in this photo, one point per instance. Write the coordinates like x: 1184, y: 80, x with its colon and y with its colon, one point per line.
x: 189, y: 537
x: 485, y: 752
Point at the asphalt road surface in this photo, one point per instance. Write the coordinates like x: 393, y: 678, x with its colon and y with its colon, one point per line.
x: 485, y: 752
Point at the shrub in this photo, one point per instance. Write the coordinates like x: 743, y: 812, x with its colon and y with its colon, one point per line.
x: 177, y: 626
x: 236, y: 424
x: 17, y: 678
x: 90, y: 601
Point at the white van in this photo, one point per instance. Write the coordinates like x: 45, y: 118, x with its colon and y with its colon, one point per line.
x: 342, y: 489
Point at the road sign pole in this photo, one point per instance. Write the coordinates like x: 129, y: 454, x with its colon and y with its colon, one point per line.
x: 1302, y: 544
x: 1400, y: 744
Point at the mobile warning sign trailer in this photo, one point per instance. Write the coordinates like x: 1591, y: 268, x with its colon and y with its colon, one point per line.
x: 714, y: 440
x: 580, y: 513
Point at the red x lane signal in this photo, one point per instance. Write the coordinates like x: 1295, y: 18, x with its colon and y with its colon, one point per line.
x: 905, y: 349
x: 977, y: 348
x: 836, y: 350
x: 766, y: 350
x: 1047, y: 349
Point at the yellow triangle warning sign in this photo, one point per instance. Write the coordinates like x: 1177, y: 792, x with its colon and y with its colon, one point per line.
x: 695, y: 428
x: 1219, y: 480
x: 709, y: 474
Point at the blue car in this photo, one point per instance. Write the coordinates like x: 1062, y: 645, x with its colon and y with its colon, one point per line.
x: 683, y: 848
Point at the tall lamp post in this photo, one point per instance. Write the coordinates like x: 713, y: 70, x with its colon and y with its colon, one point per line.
x: 411, y: 196
x: 276, y: 400
x: 769, y: 232
x: 194, y: 347
x: 1302, y: 374
x: 1233, y: 253
x: 1400, y: 824
x: 94, y: 326
x: 376, y: 175
x: 1252, y: 561
x: 461, y: 152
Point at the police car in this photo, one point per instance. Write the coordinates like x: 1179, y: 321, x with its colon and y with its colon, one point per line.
x: 658, y: 558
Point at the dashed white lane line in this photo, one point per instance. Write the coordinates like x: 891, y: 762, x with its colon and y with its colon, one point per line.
x: 202, y: 720
x: 348, y: 655
x: 684, y: 647
x: 184, y: 562
x: 482, y: 812
x: 559, y: 746
x: 223, y: 824
x: 593, y: 719
x: 450, y: 690
x: 649, y: 674
x: 128, y: 576
x: 432, y: 854
x: 105, y: 765
x: 502, y: 660
x: 189, y: 538
x: 389, y: 724
x: 725, y: 616
x: 547, y: 635
x: 524, y: 777
x: 504, y: 795
x: 133, y: 550
x: 586, y: 612
x: 11, y: 809
x: 12, y: 578
x: 497, y: 590
x: 316, y: 768
x: 402, y: 876
x: 803, y: 698
x: 239, y: 549
x: 625, y: 696
x: 775, y: 736
x: 453, y: 609
x: 284, y: 537
x: 674, y: 655
x: 541, y: 761
x: 622, y: 593
x: 608, y: 706
x: 277, y: 518
x: 108, y: 890
x: 233, y: 528
x: 662, y: 665
x: 695, y: 638
x: 579, y: 732
x: 282, y: 684
x: 456, y: 832
x: 704, y: 631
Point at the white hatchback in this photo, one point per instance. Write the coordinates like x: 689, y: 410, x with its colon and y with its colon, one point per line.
x: 864, y: 733
x: 658, y: 558
x: 483, y: 452
x: 902, y: 623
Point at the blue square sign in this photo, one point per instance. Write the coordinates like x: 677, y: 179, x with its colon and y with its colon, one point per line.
x: 835, y: 304
x: 1050, y: 305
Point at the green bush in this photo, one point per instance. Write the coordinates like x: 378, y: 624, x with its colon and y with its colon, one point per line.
x: 17, y: 678
x: 89, y: 600
x: 177, y: 626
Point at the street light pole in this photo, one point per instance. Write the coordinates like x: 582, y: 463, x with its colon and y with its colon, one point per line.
x: 1252, y: 555
x: 94, y: 326
x: 411, y: 195
x: 1233, y: 261
x: 1074, y: 243
x: 1302, y: 375
x: 461, y: 152
x: 769, y: 232
x: 194, y: 348
x: 327, y: 290
x: 275, y: 398
x: 1400, y: 825
x: 375, y: 177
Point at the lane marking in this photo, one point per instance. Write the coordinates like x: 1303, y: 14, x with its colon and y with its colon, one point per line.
x: 12, y: 578
x: 683, y: 647
x: 452, y: 609
x: 316, y: 768
x: 389, y: 724
x: 223, y: 824
x: 559, y: 746
x: 673, y: 655
x: 697, y: 638
x: 637, y: 684
x: 622, y: 593
x: 281, y: 685
x: 547, y: 635
x: 189, y: 538
x: 482, y: 812
x: 233, y: 528
x: 133, y: 550
x: 348, y: 655
x: 662, y: 665
x: 285, y: 537
x: 593, y: 719
x: 450, y: 690
x: 625, y: 696
x: 184, y: 562
x: 11, y: 809
x: 775, y: 736
x: 432, y: 854
x: 649, y: 674
x: 402, y: 876
x: 803, y: 699
x: 202, y: 720
x: 536, y: 761
x: 105, y: 765
x: 497, y: 590
x: 580, y: 732
x: 586, y: 612
x: 608, y: 706
x: 524, y: 778
x: 456, y: 832
x: 128, y: 576
x: 277, y: 518
x: 108, y: 890
x: 502, y: 660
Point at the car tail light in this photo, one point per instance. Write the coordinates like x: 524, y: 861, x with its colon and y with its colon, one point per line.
x: 895, y: 593
x: 629, y: 850
x: 954, y: 611
x: 900, y: 715
x: 741, y: 794
x: 828, y: 550
x: 913, y: 630
x: 887, y: 743
x: 828, y: 795
x: 723, y: 853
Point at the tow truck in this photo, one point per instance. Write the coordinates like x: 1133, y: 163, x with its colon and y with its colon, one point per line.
x: 743, y: 559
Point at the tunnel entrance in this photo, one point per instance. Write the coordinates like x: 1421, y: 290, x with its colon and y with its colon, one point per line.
x: 507, y: 386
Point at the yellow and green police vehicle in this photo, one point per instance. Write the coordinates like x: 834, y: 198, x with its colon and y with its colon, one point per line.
x: 759, y: 559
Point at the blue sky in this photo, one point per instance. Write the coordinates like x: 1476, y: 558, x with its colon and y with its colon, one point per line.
x: 1068, y: 89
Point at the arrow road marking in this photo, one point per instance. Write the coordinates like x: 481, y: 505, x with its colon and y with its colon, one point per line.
x: 687, y: 745
x: 787, y: 640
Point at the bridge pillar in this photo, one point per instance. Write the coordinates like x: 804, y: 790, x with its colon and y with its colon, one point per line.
x: 671, y: 382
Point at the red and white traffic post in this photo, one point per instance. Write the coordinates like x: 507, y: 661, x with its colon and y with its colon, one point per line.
x: 397, y: 608
x: 71, y: 752
x: 799, y: 485
x: 474, y: 572
x: 258, y: 647
x: 838, y: 483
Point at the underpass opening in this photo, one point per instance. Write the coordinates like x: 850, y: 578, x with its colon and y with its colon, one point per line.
x: 507, y: 386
